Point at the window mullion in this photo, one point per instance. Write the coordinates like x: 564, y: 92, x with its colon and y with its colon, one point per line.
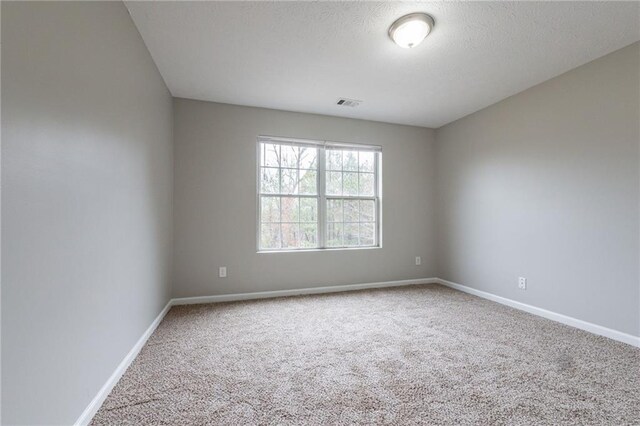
x: 322, y: 203
x: 376, y: 193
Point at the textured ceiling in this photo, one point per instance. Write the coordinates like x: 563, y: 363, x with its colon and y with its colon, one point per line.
x: 303, y: 56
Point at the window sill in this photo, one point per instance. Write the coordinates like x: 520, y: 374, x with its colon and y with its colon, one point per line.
x: 318, y: 250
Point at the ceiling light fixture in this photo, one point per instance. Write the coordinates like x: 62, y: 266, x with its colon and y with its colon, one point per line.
x: 410, y: 30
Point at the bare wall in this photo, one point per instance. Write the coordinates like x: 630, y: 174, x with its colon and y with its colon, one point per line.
x: 545, y: 185
x: 86, y: 202
x: 215, y: 202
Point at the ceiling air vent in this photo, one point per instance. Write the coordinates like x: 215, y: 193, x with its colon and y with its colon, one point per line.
x: 348, y: 102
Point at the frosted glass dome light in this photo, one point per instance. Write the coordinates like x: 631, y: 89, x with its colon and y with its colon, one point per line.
x: 410, y: 30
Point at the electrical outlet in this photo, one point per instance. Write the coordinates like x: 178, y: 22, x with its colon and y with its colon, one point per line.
x: 522, y: 283
x: 418, y: 260
x: 222, y: 272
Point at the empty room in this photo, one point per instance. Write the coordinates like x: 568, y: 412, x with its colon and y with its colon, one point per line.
x: 320, y: 213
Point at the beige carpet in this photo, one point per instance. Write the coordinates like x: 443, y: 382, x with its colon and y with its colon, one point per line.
x: 401, y: 356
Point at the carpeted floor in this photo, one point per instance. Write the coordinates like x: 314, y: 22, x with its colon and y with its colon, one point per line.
x: 401, y: 356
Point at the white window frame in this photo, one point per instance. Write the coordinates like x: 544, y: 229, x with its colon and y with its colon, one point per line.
x: 322, y: 197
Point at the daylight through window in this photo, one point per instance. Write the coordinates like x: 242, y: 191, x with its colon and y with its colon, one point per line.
x: 317, y: 195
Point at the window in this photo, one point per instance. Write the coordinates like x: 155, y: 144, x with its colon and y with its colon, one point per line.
x: 314, y: 195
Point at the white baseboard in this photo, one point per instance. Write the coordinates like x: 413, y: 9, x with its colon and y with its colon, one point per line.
x: 96, y: 402
x: 297, y: 292
x: 564, y: 319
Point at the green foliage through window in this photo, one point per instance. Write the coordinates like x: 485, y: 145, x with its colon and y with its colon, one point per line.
x: 293, y: 214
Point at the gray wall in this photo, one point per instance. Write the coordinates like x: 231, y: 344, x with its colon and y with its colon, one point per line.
x: 215, y: 202
x: 545, y: 185
x: 86, y: 202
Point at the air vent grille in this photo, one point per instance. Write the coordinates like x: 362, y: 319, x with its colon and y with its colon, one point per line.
x: 345, y: 102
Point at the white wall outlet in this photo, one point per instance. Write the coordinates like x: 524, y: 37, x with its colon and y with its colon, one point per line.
x: 418, y: 260
x: 522, y: 283
x: 222, y: 272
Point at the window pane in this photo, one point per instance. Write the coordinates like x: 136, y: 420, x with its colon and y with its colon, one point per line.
x: 269, y: 236
x: 334, y: 183
x: 270, y: 209
x: 308, y: 235
x: 366, y: 161
x: 308, y: 158
x: 350, y: 234
x: 291, y: 220
x: 308, y: 210
x: 289, y: 155
x: 366, y: 184
x: 334, y: 159
x: 367, y: 234
x: 350, y: 183
x: 270, y: 155
x: 334, y: 234
x: 308, y: 182
x: 334, y: 210
x: 289, y: 209
x: 290, y: 235
x: 289, y: 181
x: 351, y: 211
x: 269, y: 181
x: 350, y: 160
x: 367, y: 211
